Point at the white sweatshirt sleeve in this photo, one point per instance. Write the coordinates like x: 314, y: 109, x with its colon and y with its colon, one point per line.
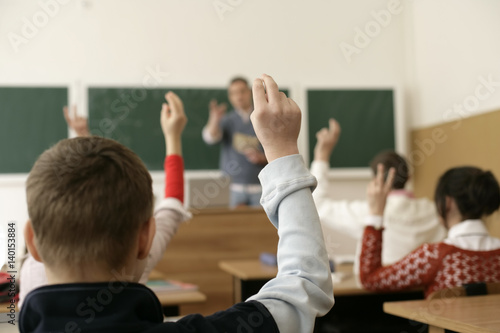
x: 169, y: 215
x: 302, y: 289
x: 208, y: 138
x: 342, y: 215
x: 32, y: 276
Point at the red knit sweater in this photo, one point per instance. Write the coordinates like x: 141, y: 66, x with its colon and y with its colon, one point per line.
x: 432, y: 266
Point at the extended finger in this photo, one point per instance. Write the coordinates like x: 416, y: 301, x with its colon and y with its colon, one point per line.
x: 66, y: 114
x: 164, y: 111
x: 380, y: 174
x: 333, y: 124
x: 73, y: 112
x: 175, y: 103
x: 390, y: 180
x: 272, y: 91
x: 259, y: 94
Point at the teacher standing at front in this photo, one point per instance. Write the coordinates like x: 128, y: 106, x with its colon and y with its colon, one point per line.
x: 242, y: 156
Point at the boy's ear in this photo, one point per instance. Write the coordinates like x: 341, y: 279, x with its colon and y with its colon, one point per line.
x: 146, y: 235
x: 29, y: 237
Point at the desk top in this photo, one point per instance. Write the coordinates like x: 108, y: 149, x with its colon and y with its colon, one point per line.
x: 176, y: 298
x: 254, y: 270
x: 478, y: 314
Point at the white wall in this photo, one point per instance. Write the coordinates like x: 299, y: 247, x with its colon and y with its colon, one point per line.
x: 455, y: 42
x: 119, y: 41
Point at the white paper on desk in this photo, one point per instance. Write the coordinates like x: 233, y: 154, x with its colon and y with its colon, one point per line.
x: 339, y: 276
x: 340, y: 259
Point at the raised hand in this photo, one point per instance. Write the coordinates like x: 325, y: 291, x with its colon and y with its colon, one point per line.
x: 378, y: 190
x: 75, y: 122
x: 276, y: 119
x: 173, y: 120
x: 217, y: 111
x: 327, y: 139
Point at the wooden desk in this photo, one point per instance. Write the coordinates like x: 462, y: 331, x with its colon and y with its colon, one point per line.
x: 213, y: 235
x: 250, y: 275
x: 478, y: 314
x: 171, y: 302
x: 350, y: 299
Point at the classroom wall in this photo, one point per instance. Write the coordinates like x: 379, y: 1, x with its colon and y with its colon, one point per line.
x: 190, y: 43
x: 456, y: 49
x: 453, y: 110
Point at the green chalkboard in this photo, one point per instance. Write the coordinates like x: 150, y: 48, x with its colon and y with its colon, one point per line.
x: 31, y: 120
x: 366, y: 118
x: 132, y: 117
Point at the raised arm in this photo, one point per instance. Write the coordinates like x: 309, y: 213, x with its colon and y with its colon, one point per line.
x: 212, y: 132
x: 414, y: 270
x: 342, y: 215
x: 302, y: 289
x: 170, y: 213
x: 327, y: 139
x: 173, y: 121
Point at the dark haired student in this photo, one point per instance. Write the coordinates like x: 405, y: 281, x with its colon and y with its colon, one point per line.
x: 409, y: 221
x: 469, y: 254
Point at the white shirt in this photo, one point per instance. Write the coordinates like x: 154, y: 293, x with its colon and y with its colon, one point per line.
x: 472, y: 235
x: 408, y: 222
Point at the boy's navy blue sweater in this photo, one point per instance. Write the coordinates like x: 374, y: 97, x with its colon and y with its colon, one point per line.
x: 127, y: 307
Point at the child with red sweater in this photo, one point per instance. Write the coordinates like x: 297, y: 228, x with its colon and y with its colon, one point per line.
x: 463, y: 196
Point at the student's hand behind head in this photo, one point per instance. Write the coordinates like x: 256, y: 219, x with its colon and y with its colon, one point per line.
x: 276, y: 119
x: 327, y: 139
x: 173, y: 118
x: 75, y: 122
x: 378, y: 190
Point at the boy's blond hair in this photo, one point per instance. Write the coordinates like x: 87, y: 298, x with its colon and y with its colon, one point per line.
x: 87, y: 198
